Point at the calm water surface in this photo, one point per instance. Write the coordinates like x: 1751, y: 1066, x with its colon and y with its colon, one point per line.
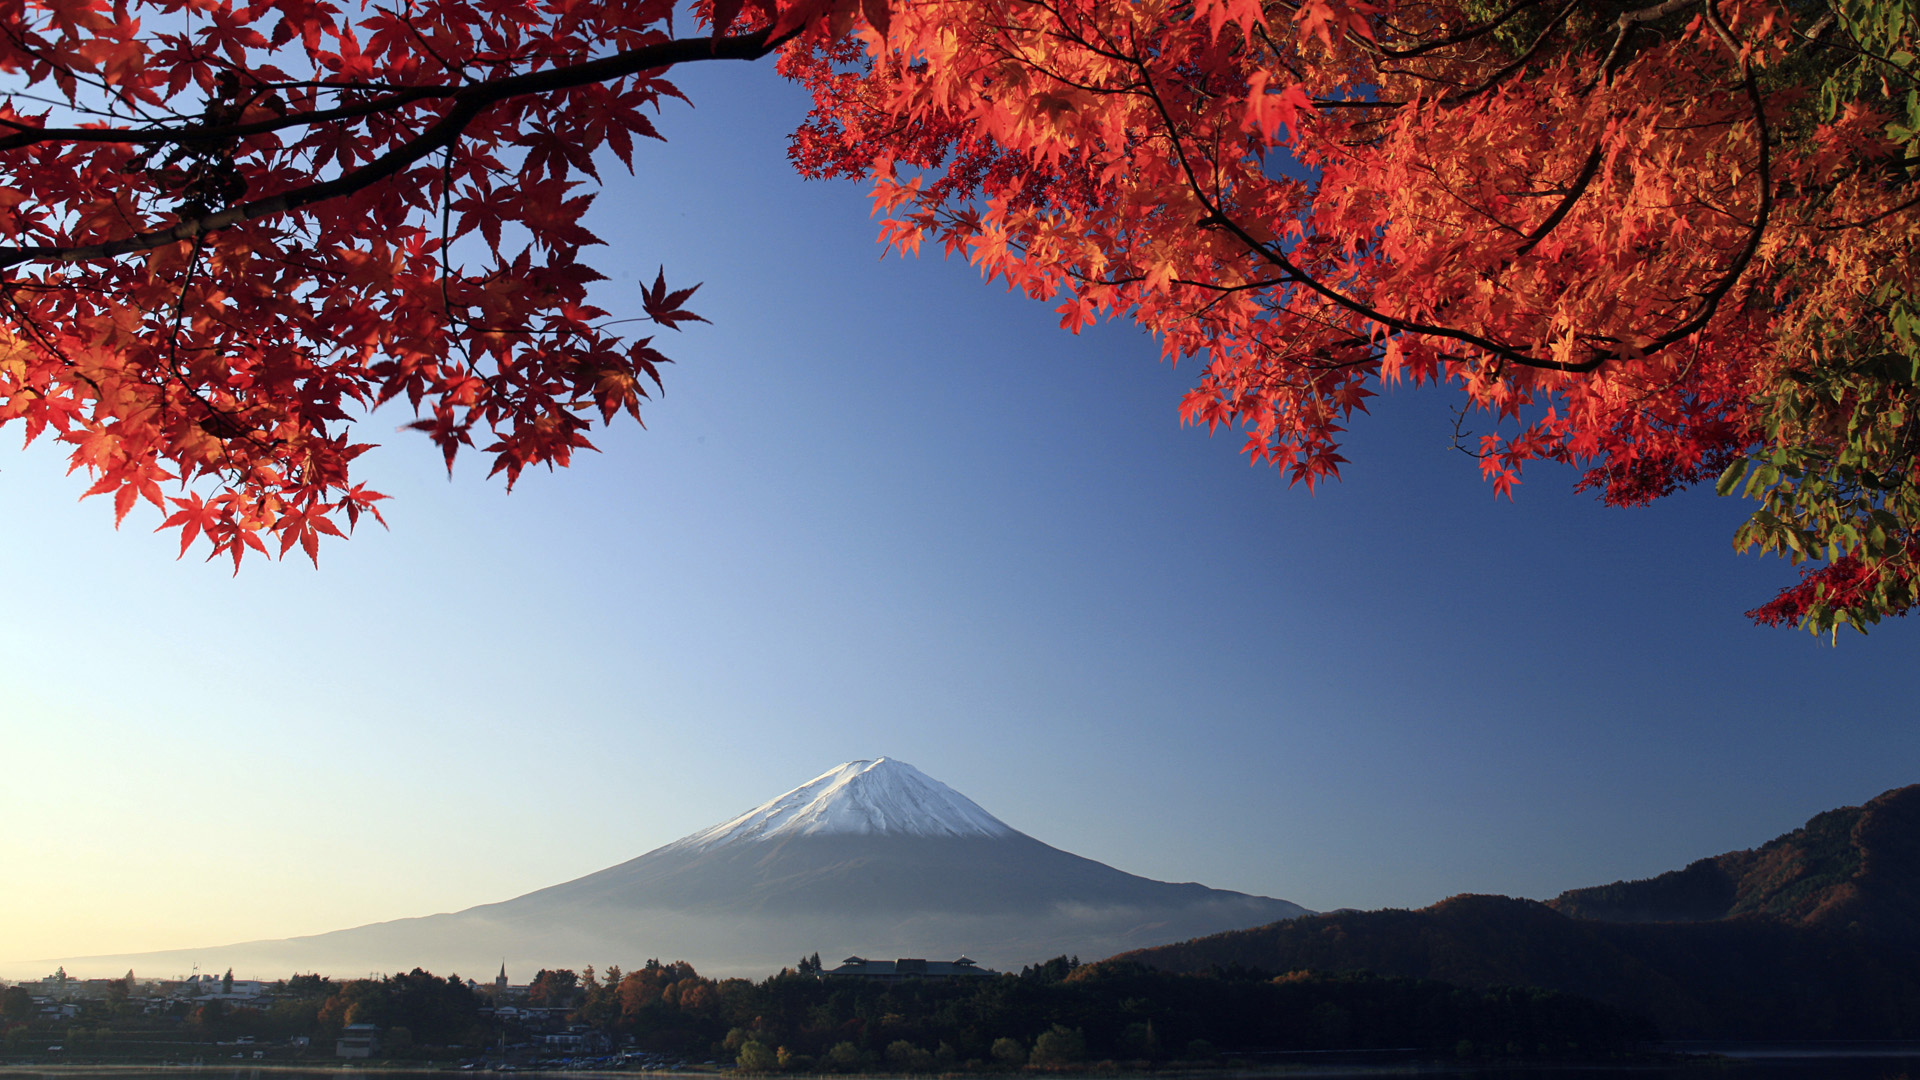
x: 1857, y: 1061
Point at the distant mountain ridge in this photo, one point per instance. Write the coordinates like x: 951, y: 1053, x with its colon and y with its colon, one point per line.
x: 1857, y: 867
x: 872, y: 857
x: 1813, y: 935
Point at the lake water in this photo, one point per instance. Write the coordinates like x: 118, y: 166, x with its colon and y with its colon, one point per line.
x: 1800, y: 1061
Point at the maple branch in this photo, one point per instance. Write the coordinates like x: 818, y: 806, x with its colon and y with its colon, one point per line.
x: 1518, y: 62
x: 30, y: 136
x: 1468, y: 93
x: 1489, y: 215
x: 39, y: 335
x: 1707, y: 302
x: 446, y: 270
x: 1461, y: 38
x: 1587, y: 173
x: 7, y: 27
x: 1875, y: 219
x: 179, y: 311
x: 1460, y: 434
x: 1218, y: 218
x: 1811, y: 35
x: 468, y: 102
x: 1627, y: 21
x: 219, y: 423
x: 1710, y: 301
x: 426, y: 46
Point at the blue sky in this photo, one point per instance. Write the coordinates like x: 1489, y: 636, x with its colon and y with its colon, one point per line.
x: 884, y: 508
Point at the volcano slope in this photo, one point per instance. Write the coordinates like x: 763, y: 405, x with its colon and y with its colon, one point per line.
x: 873, y: 857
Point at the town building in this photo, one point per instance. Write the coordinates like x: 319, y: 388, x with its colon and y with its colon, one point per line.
x: 857, y: 967
x: 221, y: 987
x: 357, y: 1041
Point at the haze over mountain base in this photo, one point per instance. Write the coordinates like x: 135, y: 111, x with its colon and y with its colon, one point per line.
x: 474, y: 945
x: 873, y: 858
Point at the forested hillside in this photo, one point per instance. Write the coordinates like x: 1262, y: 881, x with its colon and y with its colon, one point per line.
x: 1814, y: 935
x: 1857, y: 868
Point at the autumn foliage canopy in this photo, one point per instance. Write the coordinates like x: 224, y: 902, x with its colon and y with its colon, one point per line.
x: 1668, y: 244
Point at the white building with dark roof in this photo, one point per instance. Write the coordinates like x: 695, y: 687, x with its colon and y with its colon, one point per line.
x: 859, y: 967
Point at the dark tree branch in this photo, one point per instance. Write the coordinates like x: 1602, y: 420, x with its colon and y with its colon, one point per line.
x: 1579, y: 188
x: 1218, y: 218
x: 467, y: 103
x: 1461, y: 38
x: 1519, y: 62
x: 1709, y: 301
x: 1627, y: 21
x: 1877, y: 218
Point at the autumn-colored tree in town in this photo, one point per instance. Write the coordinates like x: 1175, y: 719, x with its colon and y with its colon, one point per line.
x: 1665, y: 243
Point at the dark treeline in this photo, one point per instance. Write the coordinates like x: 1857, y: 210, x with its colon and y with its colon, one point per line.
x: 1053, y: 1014
x: 415, y: 1008
x: 1060, y: 1012
x: 1057, y: 1014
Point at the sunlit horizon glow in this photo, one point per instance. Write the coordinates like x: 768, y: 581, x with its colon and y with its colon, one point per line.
x: 883, y: 509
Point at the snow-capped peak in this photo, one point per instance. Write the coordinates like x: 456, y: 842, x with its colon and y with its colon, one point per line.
x: 878, y: 796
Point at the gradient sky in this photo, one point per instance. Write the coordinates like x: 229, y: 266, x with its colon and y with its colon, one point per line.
x: 887, y: 509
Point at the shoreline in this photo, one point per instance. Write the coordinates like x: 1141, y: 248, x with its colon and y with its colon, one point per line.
x: 1256, y: 1063
x: 1688, y: 1055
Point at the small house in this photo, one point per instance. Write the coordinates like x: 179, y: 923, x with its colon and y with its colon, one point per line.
x: 357, y: 1041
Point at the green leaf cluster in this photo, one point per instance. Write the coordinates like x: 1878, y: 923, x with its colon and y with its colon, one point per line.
x: 1836, y: 480
x: 1882, y: 36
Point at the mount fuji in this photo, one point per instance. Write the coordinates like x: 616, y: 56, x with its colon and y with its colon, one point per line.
x: 872, y: 857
